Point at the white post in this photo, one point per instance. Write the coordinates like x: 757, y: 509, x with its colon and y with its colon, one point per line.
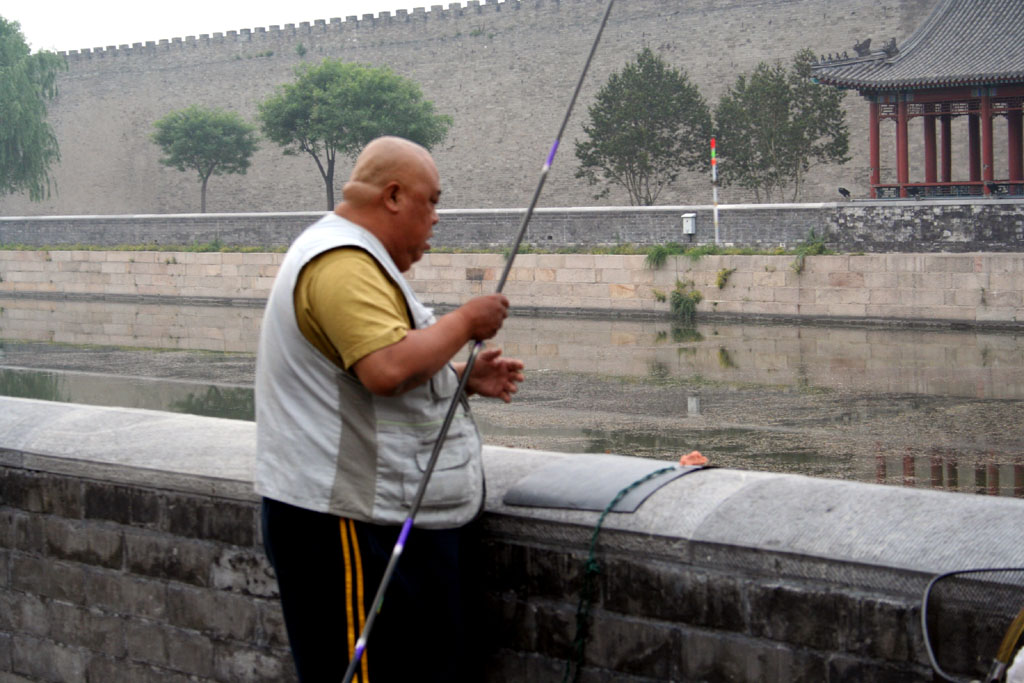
x: 714, y: 194
x: 714, y: 189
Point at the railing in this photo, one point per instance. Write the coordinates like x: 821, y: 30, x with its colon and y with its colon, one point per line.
x: 964, y: 188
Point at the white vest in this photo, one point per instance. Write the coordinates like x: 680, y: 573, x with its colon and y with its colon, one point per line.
x: 325, y: 443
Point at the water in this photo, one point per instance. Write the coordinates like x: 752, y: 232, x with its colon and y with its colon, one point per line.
x: 941, y: 409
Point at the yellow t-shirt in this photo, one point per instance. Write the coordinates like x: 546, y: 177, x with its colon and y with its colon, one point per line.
x: 347, y: 307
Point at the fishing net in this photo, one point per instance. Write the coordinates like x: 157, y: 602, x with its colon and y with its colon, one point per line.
x: 973, y: 622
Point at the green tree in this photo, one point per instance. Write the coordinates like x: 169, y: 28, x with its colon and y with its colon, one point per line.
x: 27, y: 144
x: 825, y: 137
x: 648, y: 123
x: 775, y: 124
x: 207, y: 141
x: 339, y: 107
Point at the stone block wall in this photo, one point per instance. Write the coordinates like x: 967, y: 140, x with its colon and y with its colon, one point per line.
x: 983, y: 289
x: 969, y: 226
x: 100, y: 274
x: 101, y: 581
x: 656, y: 618
x: 137, y: 557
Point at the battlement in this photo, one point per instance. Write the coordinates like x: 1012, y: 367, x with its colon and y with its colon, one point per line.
x: 319, y: 27
x: 497, y: 67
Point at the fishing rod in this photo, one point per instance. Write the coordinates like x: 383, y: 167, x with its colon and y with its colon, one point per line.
x: 403, y: 535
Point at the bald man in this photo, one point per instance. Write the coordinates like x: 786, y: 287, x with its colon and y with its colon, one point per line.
x: 353, y: 379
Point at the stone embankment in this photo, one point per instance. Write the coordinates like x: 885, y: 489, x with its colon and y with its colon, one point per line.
x: 974, y: 289
x: 130, y: 551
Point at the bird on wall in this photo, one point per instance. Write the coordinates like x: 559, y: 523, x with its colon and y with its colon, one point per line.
x: 843, y: 191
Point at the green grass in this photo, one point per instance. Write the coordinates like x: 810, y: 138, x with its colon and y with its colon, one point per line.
x: 812, y: 246
x: 683, y: 301
x: 723, y: 276
x: 656, y: 256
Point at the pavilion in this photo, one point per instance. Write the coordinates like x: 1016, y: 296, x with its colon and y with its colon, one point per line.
x: 965, y: 60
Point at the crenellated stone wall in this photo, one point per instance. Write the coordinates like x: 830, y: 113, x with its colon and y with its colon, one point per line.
x: 504, y: 72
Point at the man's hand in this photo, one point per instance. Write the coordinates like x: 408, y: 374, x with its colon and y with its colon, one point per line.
x: 484, y: 315
x: 493, y: 376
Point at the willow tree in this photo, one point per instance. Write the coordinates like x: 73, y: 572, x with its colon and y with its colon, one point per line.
x: 337, y: 108
x: 648, y: 124
x: 28, y: 145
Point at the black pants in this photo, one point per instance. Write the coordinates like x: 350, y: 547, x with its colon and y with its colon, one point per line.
x: 328, y: 571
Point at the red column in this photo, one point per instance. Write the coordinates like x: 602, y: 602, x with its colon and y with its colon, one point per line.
x: 952, y: 474
x: 909, y: 469
x: 936, y: 471
x: 902, y: 149
x: 875, y: 170
x: 929, y: 150
x: 993, y: 479
x: 947, y: 148
x: 986, y: 138
x: 1014, y: 138
x: 974, y: 141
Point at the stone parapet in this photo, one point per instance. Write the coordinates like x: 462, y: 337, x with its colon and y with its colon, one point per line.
x: 964, y: 225
x: 129, y: 550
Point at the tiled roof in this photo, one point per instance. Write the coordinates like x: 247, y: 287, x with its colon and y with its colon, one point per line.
x: 962, y: 43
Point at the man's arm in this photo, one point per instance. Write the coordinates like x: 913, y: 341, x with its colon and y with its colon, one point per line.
x: 408, y: 363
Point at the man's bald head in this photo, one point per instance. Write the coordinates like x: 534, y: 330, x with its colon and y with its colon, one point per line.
x: 381, y: 162
x: 393, y: 193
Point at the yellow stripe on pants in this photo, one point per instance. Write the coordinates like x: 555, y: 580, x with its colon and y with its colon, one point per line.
x: 355, y: 621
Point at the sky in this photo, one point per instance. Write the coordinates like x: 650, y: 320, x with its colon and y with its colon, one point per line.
x: 64, y: 25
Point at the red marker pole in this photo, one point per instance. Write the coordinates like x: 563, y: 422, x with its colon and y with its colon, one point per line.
x: 714, y: 188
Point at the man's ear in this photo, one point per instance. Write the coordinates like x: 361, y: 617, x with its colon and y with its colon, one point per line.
x: 391, y: 196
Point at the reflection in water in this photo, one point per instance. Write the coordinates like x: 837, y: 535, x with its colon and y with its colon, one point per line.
x: 922, y: 408
x: 175, y: 396
x: 949, y: 470
x: 233, y: 403
x: 41, y: 385
x: 680, y: 334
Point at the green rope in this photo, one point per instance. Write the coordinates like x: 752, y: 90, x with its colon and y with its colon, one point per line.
x: 591, y: 569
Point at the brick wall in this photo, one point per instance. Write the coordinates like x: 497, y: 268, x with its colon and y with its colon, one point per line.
x: 877, y: 227
x: 255, y: 230
x: 109, y: 582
